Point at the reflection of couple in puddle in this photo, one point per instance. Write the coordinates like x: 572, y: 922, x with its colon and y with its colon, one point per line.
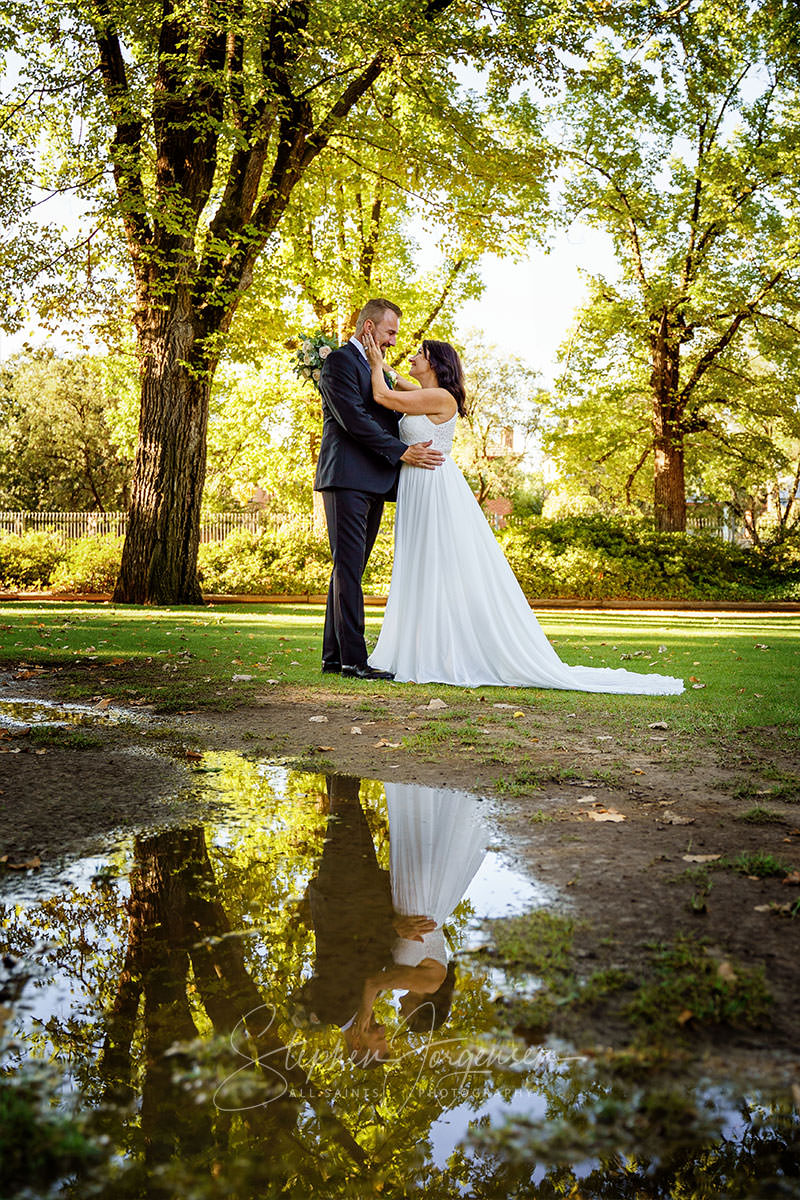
x: 377, y: 932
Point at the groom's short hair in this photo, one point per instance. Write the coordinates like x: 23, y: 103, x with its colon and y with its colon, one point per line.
x: 373, y: 310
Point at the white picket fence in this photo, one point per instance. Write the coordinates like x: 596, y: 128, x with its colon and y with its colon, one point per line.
x: 214, y: 527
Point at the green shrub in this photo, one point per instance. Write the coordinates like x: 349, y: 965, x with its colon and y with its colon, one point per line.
x: 91, y: 565
x: 285, y: 561
x: 624, y: 558
x: 27, y: 560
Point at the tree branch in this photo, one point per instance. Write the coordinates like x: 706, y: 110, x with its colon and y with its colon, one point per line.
x: 127, y: 144
x: 630, y: 480
x: 632, y: 227
x: 744, y: 314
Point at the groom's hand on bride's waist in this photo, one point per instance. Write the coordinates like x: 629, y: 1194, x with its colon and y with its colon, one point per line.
x: 422, y: 454
x: 412, y: 928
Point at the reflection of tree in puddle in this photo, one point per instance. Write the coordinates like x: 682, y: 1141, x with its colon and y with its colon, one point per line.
x: 182, y: 986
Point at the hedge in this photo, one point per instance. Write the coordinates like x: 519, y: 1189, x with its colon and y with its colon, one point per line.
x: 624, y: 558
x: 580, y: 558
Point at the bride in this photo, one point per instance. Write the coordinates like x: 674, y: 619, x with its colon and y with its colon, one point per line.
x: 437, y: 842
x: 455, y: 612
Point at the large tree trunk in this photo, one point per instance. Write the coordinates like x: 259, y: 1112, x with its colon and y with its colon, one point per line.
x: 159, y: 558
x: 669, y: 485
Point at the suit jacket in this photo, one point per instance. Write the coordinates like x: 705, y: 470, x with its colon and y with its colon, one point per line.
x: 351, y: 908
x: 360, y: 448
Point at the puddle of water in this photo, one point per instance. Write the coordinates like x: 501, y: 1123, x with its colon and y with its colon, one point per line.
x: 192, y: 988
x: 17, y: 712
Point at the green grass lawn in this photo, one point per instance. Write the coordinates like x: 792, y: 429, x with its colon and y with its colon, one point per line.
x: 185, y: 657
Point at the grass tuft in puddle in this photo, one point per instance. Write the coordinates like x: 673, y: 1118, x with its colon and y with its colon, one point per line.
x: 57, y: 737
x: 758, y: 862
x: 680, y: 986
x: 686, y: 984
x: 761, y: 816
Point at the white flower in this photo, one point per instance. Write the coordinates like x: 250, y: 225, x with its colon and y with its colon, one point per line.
x: 308, y: 346
x: 315, y: 376
x: 306, y: 372
x: 324, y: 351
x: 308, y: 358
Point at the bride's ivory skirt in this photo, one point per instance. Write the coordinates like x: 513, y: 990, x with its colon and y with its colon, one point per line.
x: 456, y: 613
x: 437, y: 842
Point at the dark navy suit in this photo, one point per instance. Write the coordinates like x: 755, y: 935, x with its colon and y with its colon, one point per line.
x: 351, y: 909
x: 357, y: 470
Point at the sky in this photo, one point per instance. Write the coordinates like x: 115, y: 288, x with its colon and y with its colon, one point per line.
x: 528, y: 307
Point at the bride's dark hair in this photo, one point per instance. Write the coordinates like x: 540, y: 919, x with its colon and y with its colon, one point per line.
x: 447, y: 367
x: 434, y: 1010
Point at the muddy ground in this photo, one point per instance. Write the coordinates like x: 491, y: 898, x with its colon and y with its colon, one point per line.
x: 608, y: 821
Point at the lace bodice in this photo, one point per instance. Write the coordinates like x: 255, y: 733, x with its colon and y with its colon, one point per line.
x: 419, y: 428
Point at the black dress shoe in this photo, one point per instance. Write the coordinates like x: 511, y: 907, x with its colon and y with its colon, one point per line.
x: 365, y: 672
x: 331, y: 668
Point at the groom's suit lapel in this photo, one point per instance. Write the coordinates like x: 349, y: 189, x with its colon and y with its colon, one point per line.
x: 363, y: 365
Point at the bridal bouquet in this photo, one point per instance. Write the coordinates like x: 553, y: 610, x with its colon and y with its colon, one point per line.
x: 314, y: 349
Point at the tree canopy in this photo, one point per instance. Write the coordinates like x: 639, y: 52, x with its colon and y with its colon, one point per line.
x: 680, y: 140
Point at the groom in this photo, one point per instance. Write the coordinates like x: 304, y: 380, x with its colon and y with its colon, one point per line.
x: 357, y: 470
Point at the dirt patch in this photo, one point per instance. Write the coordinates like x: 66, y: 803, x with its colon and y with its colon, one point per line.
x: 641, y: 831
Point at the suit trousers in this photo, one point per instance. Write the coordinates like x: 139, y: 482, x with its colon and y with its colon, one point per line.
x: 353, y: 520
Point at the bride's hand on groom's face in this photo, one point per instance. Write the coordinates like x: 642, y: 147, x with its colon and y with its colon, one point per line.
x: 373, y: 350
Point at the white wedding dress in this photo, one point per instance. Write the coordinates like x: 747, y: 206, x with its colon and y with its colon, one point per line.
x: 437, y: 841
x: 455, y: 612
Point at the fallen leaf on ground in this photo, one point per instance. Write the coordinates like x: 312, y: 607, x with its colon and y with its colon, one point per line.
x: 193, y: 755
x: 519, y: 713
x: 698, y: 685
x: 383, y: 743
x: 701, y: 858
x: 606, y: 814
x: 435, y: 703
x: 673, y: 818
x: 318, y: 719
x: 103, y: 704
x: 242, y: 678
x: 685, y: 1016
x: 355, y: 729
x: 40, y: 752
x: 588, y: 799
x: 658, y: 725
x: 637, y: 771
x: 725, y: 972
x: 326, y: 747
x: 21, y: 866
x: 792, y: 878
